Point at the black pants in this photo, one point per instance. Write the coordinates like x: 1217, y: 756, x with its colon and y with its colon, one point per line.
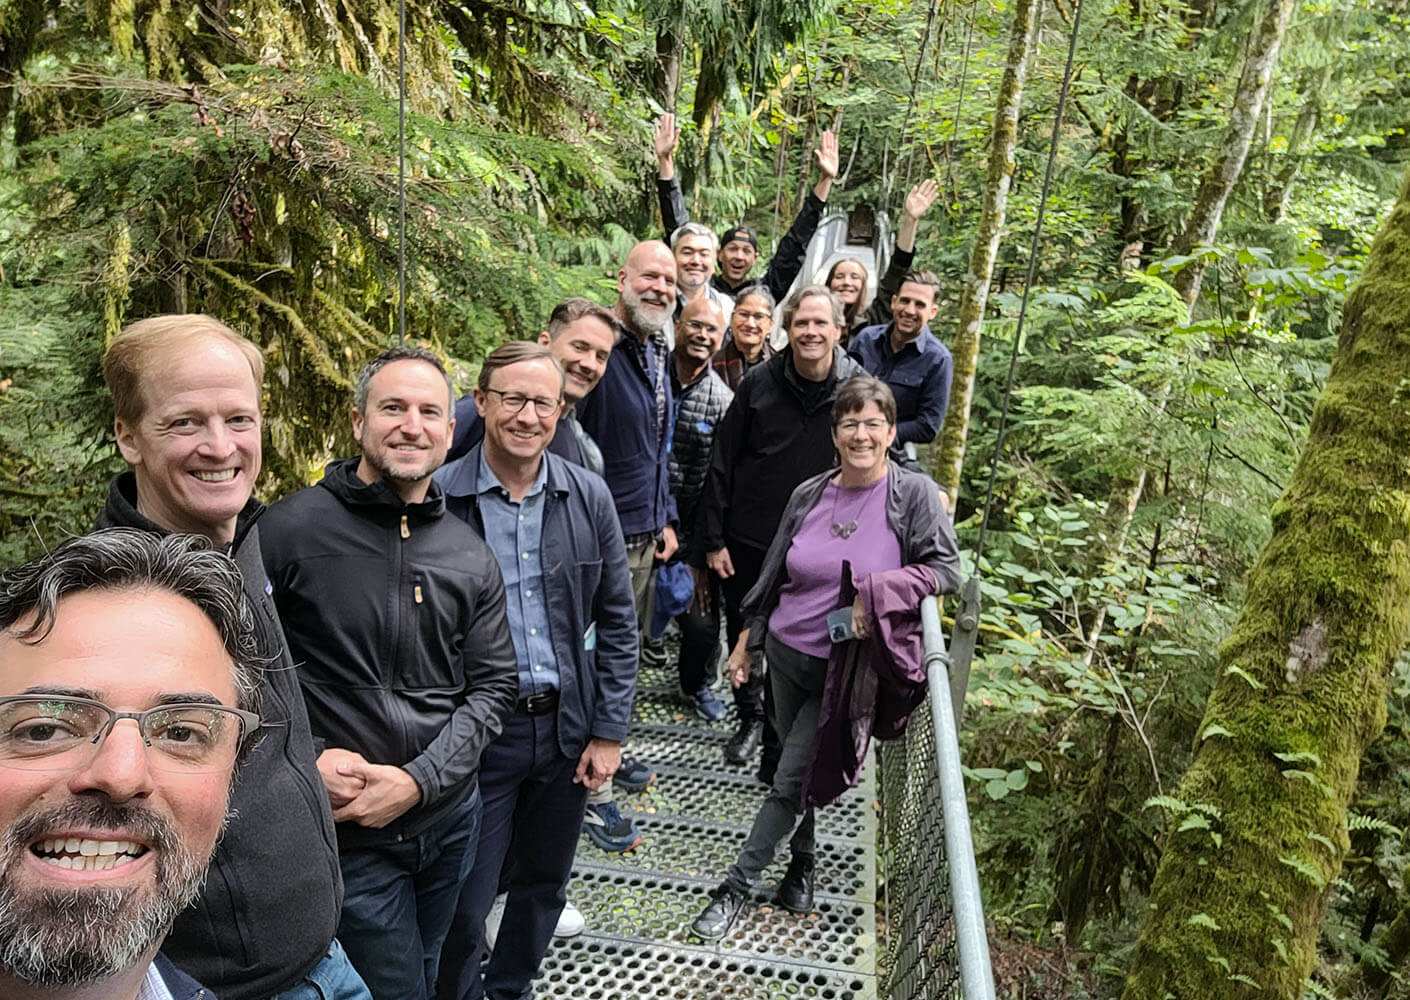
x: 750, y: 697
x: 700, y: 643
x: 748, y: 561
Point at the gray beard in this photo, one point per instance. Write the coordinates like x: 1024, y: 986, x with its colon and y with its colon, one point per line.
x: 647, y: 319
x: 68, y: 937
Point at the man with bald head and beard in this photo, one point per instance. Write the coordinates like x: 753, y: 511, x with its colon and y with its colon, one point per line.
x: 629, y: 416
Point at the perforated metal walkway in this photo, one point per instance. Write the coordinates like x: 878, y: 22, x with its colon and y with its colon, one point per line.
x: 639, y: 906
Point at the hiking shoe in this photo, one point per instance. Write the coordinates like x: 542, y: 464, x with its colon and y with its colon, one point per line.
x: 708, y: 705
x: 718, y: 916
x: 795, y: 889
x: 570, y: 922
x: 745, y: 742
x: 609, y: 829
x: 633, y: 776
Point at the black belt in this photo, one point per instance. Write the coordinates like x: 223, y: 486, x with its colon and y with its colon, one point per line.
x: 539, y: 704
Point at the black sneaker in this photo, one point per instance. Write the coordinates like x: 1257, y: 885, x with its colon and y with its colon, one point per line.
x: 718, y: 917
x: 795, y: 890
x: 745, y: 742
x: 652, y: 651
x: 633, y: 776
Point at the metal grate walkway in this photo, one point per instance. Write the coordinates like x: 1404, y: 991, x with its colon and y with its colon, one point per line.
x: 639, y: 906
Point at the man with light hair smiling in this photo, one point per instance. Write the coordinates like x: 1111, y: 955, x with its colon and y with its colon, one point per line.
x: 186, y: 400
x: 129, y: 684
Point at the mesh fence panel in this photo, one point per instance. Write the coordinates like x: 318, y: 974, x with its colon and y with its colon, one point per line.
x: 920, y: 956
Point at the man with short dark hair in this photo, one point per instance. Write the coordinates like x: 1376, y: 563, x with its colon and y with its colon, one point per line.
x: 396, y: 615
x: 580, y: 335
x: 553, y: 529
x: 738, y: 247
x: 106, y: 828
x: 907, y: 357
x: 186, y: 391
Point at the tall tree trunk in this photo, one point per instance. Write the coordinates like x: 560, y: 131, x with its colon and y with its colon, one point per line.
x: 1219, y: 179
x: 1301, y: 690
x: 1023, y: 39
x: 1203, y: 224
x: 666, y: 71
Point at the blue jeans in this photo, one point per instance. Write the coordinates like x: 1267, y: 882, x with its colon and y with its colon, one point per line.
x: 399, y: 900
x: 333, y: 978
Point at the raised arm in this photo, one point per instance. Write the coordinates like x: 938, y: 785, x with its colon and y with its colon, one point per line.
x: 668, y: 188
x: 918, y: 202
x: 793, y: 248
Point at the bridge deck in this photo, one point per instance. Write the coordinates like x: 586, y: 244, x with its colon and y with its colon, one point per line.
x: 695, y: 818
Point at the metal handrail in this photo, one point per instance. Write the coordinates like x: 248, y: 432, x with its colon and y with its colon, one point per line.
x: 976, y: 973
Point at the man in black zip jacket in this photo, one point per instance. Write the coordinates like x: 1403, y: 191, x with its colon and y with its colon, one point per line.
x: 186, y: 391
x: 775, y: 434
x: 395, y: 613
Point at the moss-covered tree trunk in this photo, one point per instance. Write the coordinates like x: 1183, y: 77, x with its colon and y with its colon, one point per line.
x: 975, y: 295
x: 1242, y: 884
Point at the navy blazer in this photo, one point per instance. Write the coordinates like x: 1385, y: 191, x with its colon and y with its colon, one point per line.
x: 591, y: 610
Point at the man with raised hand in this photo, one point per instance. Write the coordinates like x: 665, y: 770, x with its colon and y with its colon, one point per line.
x: 629, y: 416
x: 554, y: 532
x: 738, y: 246
x: 186, y: 394
x: 129, y: 685
x: 395, y: 613
x: 580, y: 336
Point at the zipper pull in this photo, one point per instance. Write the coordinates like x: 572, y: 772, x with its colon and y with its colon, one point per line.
x: 416, y: 593
x: 405, y: 531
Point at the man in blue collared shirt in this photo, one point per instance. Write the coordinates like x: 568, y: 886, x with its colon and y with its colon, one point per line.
x: 553, y: 529
x: 906, y: 356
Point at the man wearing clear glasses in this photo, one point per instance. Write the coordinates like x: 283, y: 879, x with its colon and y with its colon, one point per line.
x: 186, y: 399
x: 129, y: 680
x: 554, y: 533
x: 395, y: 613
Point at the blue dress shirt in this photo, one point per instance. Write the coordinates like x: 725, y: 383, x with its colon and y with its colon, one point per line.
x: 514, y: 533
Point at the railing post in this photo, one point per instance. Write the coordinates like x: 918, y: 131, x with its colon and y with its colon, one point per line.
x: 971, y: 938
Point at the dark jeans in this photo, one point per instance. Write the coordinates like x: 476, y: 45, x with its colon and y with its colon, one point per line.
x: 797, y: 681
x: 398, y: 901
x: 533, y: 814
x: 700, y: 643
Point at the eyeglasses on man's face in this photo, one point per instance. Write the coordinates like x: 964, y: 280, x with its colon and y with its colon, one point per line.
x: 60, y: 733
x: 515, y: 402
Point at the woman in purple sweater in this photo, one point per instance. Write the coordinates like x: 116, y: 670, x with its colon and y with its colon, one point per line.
x: 876, y: 517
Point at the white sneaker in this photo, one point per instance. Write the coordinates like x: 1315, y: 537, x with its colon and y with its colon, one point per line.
x: 570, y: 922
x: 493, y: 920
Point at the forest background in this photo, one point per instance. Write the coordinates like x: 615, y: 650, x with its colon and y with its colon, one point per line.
x: 240, y: 159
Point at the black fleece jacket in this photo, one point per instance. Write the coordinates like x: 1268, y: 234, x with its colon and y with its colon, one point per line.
x: 242, y: 938
x: 776, y: 433
x: 395, y: 615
